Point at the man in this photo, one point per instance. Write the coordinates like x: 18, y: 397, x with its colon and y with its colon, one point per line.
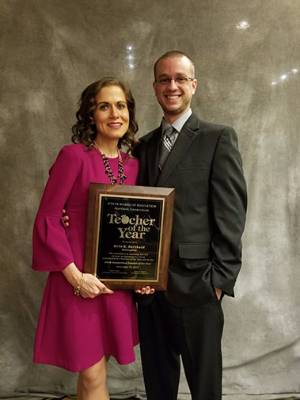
x: 202, y: 162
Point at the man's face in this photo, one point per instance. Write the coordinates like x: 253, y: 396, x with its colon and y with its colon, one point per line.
x: 173, y: 92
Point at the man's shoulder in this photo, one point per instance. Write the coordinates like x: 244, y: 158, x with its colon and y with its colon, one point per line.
x: 147, y: 137
x: 196, y: 123
x: 143, y: 142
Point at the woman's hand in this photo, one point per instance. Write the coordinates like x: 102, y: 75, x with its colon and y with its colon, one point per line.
x: 91, y: 287
x: 84, y: 284
x: 145, y: 290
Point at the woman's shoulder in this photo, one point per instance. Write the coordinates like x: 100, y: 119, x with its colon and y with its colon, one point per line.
x: 74, y: 151
x: 74, y: 148
x: 72, y: 155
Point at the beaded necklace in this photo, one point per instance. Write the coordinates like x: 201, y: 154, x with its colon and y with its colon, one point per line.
x: 108, y: 170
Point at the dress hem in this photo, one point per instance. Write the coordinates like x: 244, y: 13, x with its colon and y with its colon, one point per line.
x: 64, y: 366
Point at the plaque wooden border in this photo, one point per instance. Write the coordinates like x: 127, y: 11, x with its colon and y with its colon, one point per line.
x: 96, y: 192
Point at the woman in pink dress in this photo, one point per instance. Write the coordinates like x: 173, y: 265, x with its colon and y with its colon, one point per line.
x: 81, y: 321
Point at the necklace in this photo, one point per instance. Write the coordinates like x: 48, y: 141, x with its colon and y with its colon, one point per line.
x: 108, y: 170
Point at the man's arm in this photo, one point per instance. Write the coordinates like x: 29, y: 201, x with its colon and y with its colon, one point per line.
x: 229, y: 203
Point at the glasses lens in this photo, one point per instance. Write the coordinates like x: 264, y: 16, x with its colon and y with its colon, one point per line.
x: 179, y: 80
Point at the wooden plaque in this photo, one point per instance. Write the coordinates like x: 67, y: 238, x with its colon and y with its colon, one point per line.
x: 129, y: 234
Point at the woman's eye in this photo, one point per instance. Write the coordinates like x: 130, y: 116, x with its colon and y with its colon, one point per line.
x: 103, y: 107
x: 122, y: 106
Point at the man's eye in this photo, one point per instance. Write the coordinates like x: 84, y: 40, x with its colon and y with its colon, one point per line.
x: 164, y: 80
x: 181, y: 79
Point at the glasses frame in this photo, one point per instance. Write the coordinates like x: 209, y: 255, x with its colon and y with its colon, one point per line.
x: 167, y: 81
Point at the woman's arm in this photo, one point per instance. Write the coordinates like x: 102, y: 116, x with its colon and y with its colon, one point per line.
x: 85, y: 285
x: 51, y: 248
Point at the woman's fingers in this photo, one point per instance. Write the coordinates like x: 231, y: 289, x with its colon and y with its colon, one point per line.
x: 102, y: 288
x: 92, y: 287
x: 105, y: 290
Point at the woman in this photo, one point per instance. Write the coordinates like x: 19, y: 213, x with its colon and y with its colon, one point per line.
x: 82, y: 322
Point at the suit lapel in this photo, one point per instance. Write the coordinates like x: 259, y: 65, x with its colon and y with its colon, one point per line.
x: 180, y: 149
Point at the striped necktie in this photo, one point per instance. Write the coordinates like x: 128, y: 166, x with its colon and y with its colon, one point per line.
x: 168, y: 140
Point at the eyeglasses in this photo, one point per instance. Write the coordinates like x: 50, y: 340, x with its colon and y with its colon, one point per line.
x: 179, y: 80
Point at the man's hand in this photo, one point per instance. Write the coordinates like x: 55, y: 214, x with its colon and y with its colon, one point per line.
x: 145, y: 290
x: 65, y: 219
x: 218, y: 293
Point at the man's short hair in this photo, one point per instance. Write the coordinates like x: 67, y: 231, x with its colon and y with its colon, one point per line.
x: 170, y: 54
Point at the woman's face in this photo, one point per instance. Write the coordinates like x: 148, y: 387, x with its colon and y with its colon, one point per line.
x: 111, y: 115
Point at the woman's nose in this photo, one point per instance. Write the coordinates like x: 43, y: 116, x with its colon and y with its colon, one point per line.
x: 114, y: 112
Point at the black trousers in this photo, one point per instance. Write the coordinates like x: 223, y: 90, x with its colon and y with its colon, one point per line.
x: 194, y: 333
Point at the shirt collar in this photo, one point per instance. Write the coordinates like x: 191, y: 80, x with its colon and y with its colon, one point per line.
x: 179, y: 122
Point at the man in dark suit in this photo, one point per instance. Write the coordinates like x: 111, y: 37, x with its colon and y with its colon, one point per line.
x: 202, y: 162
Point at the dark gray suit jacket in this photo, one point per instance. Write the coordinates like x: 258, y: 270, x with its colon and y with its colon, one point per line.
x: 205, y: 168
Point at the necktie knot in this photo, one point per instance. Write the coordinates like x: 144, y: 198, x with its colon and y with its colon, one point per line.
x: 169, y: 131
x: 169, y: 137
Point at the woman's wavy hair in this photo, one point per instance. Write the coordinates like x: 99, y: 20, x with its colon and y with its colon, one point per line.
x: 84, y: 130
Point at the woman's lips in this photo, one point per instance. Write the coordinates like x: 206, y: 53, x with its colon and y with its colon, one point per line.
x: 115, y: 124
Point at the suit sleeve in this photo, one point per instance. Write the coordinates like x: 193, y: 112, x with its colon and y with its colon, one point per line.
x: 229, y: 203
x: 51, y: 248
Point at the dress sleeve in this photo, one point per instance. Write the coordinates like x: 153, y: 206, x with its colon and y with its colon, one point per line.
x: 51, y: 248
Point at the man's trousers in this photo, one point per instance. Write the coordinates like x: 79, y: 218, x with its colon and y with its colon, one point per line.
x: 194, y: 333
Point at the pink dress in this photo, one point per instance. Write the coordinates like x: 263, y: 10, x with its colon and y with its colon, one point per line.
x: 72, y: 332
